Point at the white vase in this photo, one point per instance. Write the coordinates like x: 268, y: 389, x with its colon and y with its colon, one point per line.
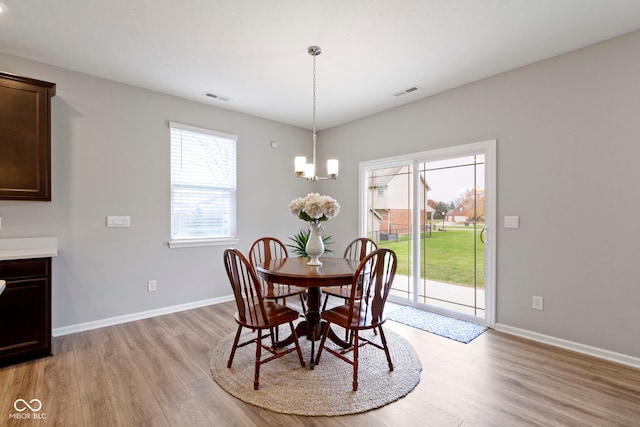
x: 315, y: 245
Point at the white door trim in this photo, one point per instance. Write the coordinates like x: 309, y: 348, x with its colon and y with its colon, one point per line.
x: 489, y: 149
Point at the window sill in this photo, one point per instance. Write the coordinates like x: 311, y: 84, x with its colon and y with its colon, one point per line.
x: 190, y: 243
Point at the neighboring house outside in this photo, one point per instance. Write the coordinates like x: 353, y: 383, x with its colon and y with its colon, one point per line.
x: 458, y: 214
x: 390, y: 196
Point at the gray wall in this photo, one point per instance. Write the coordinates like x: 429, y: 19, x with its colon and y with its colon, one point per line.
x: 568, y: 132
x: 110, y: 145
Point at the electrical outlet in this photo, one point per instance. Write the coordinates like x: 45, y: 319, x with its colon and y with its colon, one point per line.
x: 538, y: 303
x: 151, y: 286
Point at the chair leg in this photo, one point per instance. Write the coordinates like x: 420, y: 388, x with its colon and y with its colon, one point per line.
x: 295, y: 339
x: 313, y: 349
x: 355, y: 360
x: 256, y: 378
x: 326, y: 299
x: 386, y: 348
x: 325, y: 332
x: 304, y: 308
x: 348, y: 335
x: 234, y: 347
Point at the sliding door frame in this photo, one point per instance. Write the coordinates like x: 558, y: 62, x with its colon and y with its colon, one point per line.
x: 488, y: 148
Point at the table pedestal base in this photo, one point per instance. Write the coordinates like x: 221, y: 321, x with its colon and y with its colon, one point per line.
x: 312, y: 326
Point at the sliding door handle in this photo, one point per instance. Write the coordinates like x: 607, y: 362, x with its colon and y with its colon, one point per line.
x: 482, y: 235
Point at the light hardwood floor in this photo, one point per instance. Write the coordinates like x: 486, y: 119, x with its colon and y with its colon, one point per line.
x: 155, y: 372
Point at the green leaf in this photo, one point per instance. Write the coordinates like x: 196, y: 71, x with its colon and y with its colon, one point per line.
x: 299, y: 245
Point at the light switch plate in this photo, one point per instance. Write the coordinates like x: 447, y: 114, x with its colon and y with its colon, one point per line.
x: 538, y: 303
x: 511, y: 222
x: 118, y: 221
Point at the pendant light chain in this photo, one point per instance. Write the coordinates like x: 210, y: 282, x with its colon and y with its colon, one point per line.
x: 304, y: 169
x: 314, y: 109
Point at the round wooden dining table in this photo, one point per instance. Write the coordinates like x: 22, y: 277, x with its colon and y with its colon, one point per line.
x: 296, y: 272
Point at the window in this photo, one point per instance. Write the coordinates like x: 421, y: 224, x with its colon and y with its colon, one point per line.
x: 203, y: 186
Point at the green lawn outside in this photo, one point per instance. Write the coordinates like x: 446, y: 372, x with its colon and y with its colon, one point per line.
x: 448, y: 256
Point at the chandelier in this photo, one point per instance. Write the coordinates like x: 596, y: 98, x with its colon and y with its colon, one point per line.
x: 308, y: 170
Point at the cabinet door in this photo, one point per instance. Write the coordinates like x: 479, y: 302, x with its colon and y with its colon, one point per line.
x: 25, y: 313
x: 25, y: 138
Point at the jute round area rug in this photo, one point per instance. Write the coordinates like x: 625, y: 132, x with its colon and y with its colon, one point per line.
x: 288, y: 388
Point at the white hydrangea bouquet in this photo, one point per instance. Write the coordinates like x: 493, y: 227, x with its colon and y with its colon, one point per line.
x: 314, y: 207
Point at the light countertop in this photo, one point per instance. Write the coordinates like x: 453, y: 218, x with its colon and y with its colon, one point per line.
x: 28, y: 247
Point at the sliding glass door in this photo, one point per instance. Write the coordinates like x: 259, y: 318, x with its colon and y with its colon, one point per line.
x: 436, y: 211
x: 390, y: 219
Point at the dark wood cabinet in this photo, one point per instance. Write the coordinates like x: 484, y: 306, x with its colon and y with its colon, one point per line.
x: 25, y: 310
x: 25, y: 138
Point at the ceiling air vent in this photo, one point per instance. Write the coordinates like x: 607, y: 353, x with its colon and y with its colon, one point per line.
x: 408, y: 90
x: 217, y: 96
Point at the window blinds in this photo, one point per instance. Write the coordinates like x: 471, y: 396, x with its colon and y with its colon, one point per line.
x: 203, y: 183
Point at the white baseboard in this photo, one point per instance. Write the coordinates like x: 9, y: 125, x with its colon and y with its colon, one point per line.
x: 570, y: 345
x: 65, y: 330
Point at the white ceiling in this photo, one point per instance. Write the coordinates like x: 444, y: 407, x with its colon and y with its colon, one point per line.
x: 255, y: 51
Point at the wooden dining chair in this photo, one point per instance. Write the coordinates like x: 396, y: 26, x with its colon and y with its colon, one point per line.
x: 365, y: 311
x: 255, y: 313
x: 356, y: 251
x: 263, y: 250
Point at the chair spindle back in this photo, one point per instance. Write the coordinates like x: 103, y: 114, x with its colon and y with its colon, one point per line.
x: 375, y: 276
x: 265, y: 249
x: 359, y: 248
x: 245, y: 285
